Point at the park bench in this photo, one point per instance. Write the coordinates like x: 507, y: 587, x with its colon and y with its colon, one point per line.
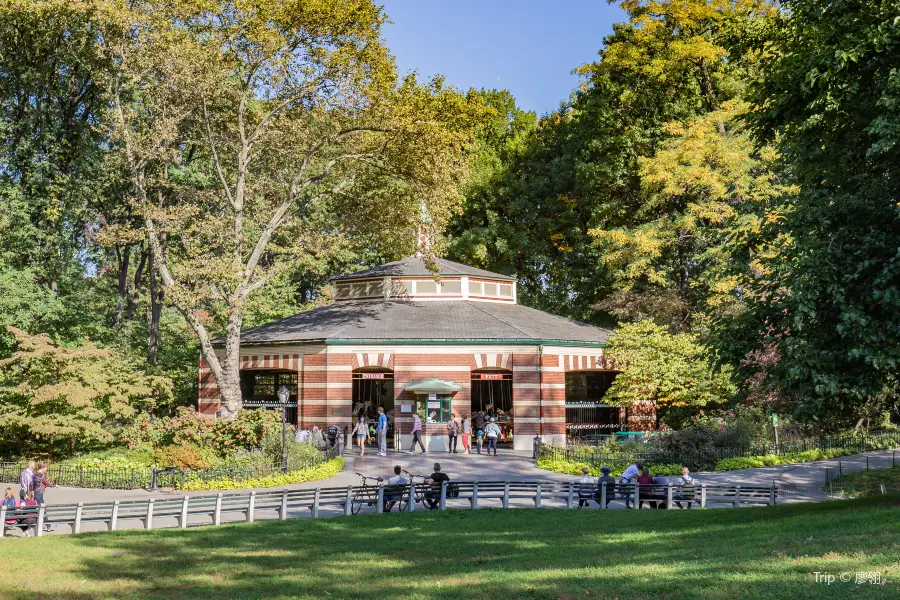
x: 23, y: 518
x: 737, y: 495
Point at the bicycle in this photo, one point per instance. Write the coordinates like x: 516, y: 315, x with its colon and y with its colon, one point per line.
x: 365, y: 494
x: 418, y: 491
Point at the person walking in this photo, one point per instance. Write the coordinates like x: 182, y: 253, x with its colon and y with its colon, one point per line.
x: 40, y: 485
x: 492, y: 433
x: 361, y: 432
x: 452, y: 433
x: 26, y: 480
x: 466, y: 433
x: 381, y: 432
x: 479, y: 430
x: 416, y: 434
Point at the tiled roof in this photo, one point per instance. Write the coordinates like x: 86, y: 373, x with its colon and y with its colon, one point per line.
x: 415, y: 266
x: 435, y: 320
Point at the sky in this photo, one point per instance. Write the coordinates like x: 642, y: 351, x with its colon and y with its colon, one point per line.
x: 528, y: 47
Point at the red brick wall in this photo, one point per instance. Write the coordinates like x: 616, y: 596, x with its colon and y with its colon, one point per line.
x: 208, y: 390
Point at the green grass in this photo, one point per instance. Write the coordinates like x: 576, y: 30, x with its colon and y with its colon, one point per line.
x: 869, y: 481
x: 758, y: 553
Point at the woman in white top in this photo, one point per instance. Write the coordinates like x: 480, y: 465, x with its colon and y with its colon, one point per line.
x: 361, y: 432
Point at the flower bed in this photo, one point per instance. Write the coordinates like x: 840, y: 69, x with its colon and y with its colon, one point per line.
x: 324, y: 470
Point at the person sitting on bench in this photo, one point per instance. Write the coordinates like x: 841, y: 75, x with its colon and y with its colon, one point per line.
x: 610, y: 482
x: 395, y: 493
x: 432, y: 497
x: 586, y: 488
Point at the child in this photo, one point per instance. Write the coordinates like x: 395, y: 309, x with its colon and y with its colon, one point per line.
x: 28, y: 522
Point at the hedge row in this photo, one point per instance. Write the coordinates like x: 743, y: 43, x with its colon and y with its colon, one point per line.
x: 320, y: 471
x: 560, y: 465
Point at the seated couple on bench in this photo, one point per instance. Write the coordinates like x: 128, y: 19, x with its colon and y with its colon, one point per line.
x: 588, y: 489
x: 654, y: 489
x: 22, y: 515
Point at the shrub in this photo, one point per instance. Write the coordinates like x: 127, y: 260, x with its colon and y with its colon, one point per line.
x: 118, y: 458
x: 183, y: 457
x: 560, y: 465
x: 321, y: 471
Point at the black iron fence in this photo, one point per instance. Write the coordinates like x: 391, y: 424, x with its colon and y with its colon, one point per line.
x: 653, y: 450
x: 132, y: 479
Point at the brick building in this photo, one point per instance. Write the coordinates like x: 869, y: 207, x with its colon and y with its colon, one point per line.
x: 396, y: 338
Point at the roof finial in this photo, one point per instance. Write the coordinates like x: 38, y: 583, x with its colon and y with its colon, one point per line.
x: 423, y: 243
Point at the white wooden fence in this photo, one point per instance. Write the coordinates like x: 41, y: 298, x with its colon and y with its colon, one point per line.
x: 251, y: 506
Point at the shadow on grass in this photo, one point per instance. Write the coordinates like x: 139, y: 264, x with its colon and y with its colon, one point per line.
x: 527, y: 553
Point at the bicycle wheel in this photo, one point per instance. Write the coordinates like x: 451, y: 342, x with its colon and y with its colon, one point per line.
x: 357, y: 503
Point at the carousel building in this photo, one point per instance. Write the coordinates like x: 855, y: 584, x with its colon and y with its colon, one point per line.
x: 397, y: 337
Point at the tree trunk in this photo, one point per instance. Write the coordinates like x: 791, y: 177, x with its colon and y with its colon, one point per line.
x: 230, y: 382
x: 156, y: 304
x: 123, y: 257
x: 136, y: 286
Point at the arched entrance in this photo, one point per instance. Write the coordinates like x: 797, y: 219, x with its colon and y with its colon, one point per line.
x: 492, y: 394
x: 373, y: 387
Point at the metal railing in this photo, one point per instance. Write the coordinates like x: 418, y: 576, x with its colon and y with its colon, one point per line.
x: 133, y: 479
x: 216, y: 509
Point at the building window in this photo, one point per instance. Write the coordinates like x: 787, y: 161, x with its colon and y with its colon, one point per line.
x: 433, y: 408
x: 506, y: 290
x: 490, y: 289
x: 475, y: 287
x: 426, y: 287
x: 452, y: 286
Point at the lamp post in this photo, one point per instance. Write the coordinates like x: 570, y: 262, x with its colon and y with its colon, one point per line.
x: 283, y: 395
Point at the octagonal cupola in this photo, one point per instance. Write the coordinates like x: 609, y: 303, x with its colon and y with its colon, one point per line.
x: 411, y: 279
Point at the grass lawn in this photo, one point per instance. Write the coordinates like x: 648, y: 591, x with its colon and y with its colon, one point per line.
x: 867, y: 481
x: 767, y: 552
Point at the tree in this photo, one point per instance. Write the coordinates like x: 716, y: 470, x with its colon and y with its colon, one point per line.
x: 54, y: 398
x: 828, y: 300
x: 52, y: 106
x: 257, y: 132
x: 706, y: 194
x: 675, y: 371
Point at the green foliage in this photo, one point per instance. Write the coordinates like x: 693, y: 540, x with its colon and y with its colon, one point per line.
x: 672, y: 370
x: 560, y: 465
x: 827, y: 301
x: 117, y: 458
x: 59, y: 399
x: 321, y: 471
x: 184, y: 457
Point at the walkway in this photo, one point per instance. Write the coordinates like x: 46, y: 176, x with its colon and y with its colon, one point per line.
x: 510, y: 466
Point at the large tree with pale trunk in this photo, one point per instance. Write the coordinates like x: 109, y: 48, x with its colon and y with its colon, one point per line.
x: 257, y: 133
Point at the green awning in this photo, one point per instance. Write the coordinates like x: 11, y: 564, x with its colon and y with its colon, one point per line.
x: 432, y: 386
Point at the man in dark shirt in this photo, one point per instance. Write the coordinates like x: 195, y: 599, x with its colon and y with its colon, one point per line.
x: 432, y: 498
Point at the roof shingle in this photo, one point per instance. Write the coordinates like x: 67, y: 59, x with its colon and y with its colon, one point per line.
x: 435, y: 320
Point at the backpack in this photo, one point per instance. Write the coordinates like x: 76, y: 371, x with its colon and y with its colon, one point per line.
x: 453, y: 490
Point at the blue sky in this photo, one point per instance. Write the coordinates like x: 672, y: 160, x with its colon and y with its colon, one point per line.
x: 526, y: 46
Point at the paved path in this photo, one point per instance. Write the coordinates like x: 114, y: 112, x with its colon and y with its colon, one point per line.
x: 510, y: 466
x: 806, y: 474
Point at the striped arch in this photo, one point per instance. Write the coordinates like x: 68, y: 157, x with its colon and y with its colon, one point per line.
x: 384, y: 360
x: 498, y: 360
x: 290, y: 362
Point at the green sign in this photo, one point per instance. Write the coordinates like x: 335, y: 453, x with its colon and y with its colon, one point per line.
x: 774, y: 419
